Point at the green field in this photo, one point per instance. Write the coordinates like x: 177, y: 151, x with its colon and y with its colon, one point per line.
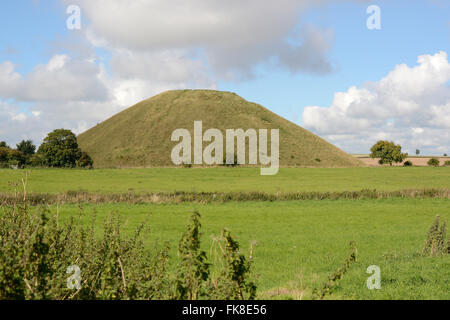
x: 228, y: 179
x: 300, y: 243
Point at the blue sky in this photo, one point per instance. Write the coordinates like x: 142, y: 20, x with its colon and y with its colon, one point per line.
x: 32, y: 33
x: 409, y: 29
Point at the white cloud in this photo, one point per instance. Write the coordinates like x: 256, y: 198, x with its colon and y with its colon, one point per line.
x: 10, y: 80
x: 61, y: 79
x: 230, y: 37
x: 411, y: 106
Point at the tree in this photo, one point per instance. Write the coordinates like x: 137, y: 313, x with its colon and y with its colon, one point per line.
x: 60, y: 149
x: 17, y: 157
x: 26, y: 147
x: 4, y: 154
x: 433, y: 162
x: 417, y: 152
x: 3, y: 144
x: 388, y: 152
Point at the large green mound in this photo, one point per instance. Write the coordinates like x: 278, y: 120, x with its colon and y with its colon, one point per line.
x: 140, y: 136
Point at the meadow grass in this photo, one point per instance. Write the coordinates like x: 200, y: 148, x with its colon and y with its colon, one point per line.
x: 228, y: 179
x: 300, y: 243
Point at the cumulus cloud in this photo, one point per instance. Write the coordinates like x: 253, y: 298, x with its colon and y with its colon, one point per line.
x: 230, y: 37
x: 61, y: 79
x: 153, y: 46
x: 10, y: 80
x: 411, y: 106
x: 78, y: 93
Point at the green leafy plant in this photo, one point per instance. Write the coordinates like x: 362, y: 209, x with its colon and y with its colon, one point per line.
x: 433, y: 162
x: 436, y: 244
x: 233, y: 281
x: 407, y: 164
x: 335, y: 277
x: 388, y: 152
x: 193, y: 270
x: 37, y: 252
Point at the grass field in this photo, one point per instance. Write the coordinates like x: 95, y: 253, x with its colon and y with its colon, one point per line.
x: 228, y: 179
x: 300, y: 243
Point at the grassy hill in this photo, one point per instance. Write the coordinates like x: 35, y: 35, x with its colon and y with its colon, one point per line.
x: 140, y: 136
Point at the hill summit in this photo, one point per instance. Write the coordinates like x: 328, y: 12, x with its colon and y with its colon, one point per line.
x: 140, y: 136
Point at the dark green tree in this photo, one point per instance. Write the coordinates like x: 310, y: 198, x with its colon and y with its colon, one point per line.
x: 433, y: 162
x: 17, y: 157
x: 388, y: 152
x: 60, y: 149
x: 4, y: 154
x: 85, y: 161
x: 26, y: 147
x: 3, y: 144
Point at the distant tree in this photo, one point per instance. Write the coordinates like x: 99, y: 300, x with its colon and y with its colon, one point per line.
x: 37, y: 160
x: 408, y: 164
x: 433, y: 162
x: 17, y: 157
x: 388, y: 152
x: 60, y: 149
x: 3, y: 144
x: 85, y: 161
x: 4, y: 154
x: 445, y: 154
x: 417, y: 151
x: 26, y: 147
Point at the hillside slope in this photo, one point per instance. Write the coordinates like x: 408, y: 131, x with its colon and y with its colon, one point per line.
x: 140, y: 136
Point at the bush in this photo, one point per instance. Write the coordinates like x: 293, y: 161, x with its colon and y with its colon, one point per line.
x: 447, y: 163
x: 42, y: 259
x: 85, y: 161
x: 436, y: 244
x: 37, y: 160
x: 407, y: 164
x: 433, y: 162
x: 4, y: 154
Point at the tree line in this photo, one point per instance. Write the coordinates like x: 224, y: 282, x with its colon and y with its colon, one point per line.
x: 58, y: 150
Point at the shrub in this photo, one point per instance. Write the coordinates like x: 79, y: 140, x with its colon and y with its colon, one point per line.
x: 407, y: 164
x: 232, y: 282
x: 17, y: 157
x: 37, y: 160
x: 436, y: 244
x: 193, y: 270
x: 433, y: 162
x: 447, y: 163
x: 335, y: 277
x: 4, y: 154
x: 40, y: 258
x: 85, y: 161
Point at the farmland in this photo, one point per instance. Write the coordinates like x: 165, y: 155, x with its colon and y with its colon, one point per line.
x: 228, y: 179
x: 299, y: 243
